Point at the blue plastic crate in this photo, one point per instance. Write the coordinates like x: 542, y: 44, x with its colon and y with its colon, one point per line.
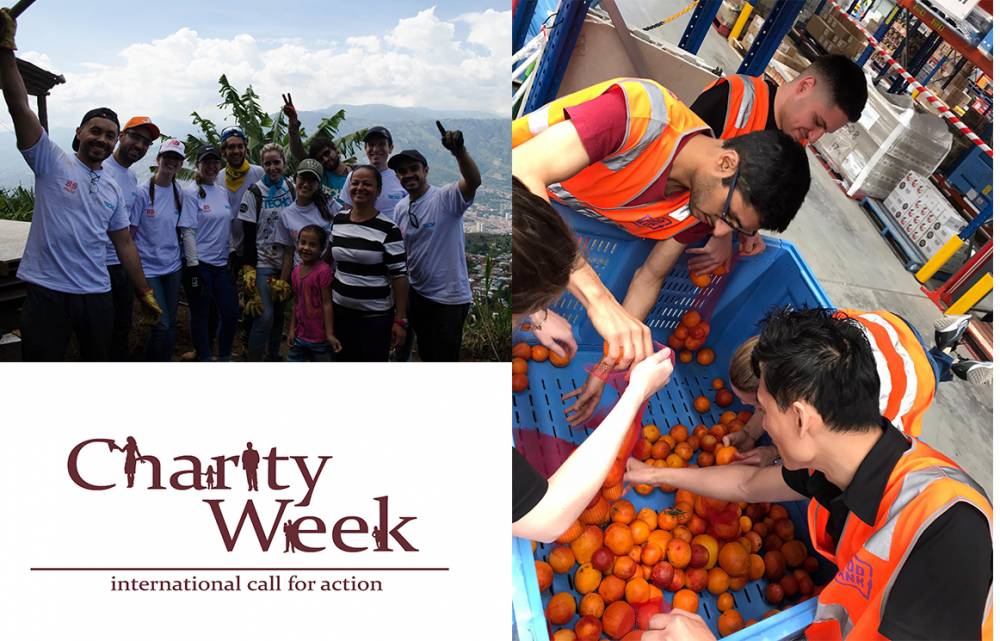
x: 778, y: 276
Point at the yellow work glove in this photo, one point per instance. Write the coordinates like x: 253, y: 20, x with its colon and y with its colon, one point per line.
x: 248, y: 276
x: 254, y: 307
x: 8, y: 27
x: 280, y: 290
x: 150, y: 308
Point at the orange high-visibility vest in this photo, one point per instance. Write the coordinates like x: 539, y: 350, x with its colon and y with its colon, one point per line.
x: 657, y: 123
x: 749, y: 104
x: 906, y: 377
x: 923, y: 484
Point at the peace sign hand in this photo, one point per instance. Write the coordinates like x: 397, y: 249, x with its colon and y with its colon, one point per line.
x: 453, y: 141
x: 289, y: 109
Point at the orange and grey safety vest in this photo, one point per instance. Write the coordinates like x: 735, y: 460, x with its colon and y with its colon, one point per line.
x: 906, y: 378
x: 922, y: 486
x: 749, y: 104
x: 657, y: 122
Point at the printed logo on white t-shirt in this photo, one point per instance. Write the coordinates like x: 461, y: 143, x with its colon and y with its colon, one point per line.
x: 150, y: 212
x: 70, y: 186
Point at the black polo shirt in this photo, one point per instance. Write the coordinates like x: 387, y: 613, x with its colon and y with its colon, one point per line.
x: 712, y: 104
x: 941, y: 589
x: 529, y: 486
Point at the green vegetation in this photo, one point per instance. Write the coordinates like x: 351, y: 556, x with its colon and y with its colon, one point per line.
x: 261, y: 129
x: 17, y: 204
x: 487, y: 329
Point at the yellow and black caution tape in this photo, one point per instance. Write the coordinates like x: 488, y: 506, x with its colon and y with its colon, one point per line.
x: 671, y: 18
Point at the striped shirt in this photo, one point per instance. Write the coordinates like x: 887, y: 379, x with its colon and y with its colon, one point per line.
x: 367, y: 256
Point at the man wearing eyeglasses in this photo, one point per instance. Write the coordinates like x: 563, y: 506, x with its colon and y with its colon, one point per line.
x: 77, y: 208
x: 133, y: 143
x: 628, y: 152
x: 826, y: 96
x: 430, y: 219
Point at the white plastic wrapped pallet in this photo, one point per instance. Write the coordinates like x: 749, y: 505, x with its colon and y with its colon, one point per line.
x: 890, y: 139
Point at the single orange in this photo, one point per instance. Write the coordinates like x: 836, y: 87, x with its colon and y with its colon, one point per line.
x: 681, y: 332
x: 618, y: 538
x: 718, y: 581
x: 539, y: 353
x: 685, y: 451
x: 683, y: 511
x: 701, y: 280
x: 734, y: 559
x: 691, y: 318
x: 522, y: 350
x: 729, y: 622
x: 706, y: 356
x: 544, y: 573
x: 650, y: 432
x: 519, y: 366
x: 592, y: 605
x: 519, y: 382
x: 702, y: 405
x: 561, y: 559
x: 693, y: 342
x: 718, y: 383
x: 559, y: 361
x: 725, y: 602
x: 648, y: 516
x: 637, y: 591
x: 679, y: 432
x: 683, y: 533
x: 725, y: 455
x: 611, y: 589
x: 622, y: 511
x: 640, y: 531
x: 686, y: 600
x: 685, y: 356
x: 561, y: 608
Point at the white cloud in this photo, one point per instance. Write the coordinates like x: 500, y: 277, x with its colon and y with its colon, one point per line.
x: 420, y: 62
x: 36, y: 58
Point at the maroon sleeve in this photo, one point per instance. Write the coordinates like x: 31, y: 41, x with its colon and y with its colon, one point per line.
x: 691, y: 235
x: 601, y: 123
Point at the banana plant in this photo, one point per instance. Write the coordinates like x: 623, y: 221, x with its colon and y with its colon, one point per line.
x: 261, y: 128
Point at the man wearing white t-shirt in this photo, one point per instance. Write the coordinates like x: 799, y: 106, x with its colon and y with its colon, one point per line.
x: 431, y: 221
x: 378, y: 148
x: 134, y: 141
x: 77, y: 208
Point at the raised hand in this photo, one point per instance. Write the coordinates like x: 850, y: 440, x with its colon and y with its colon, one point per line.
x: 289, y: 109
x: 453, y: 141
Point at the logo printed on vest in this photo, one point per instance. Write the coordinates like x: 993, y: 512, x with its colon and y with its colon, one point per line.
x: 655, y: 223
x: 858, y: 575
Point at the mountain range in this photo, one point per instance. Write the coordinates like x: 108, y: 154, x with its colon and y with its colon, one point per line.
x: 487, y: 137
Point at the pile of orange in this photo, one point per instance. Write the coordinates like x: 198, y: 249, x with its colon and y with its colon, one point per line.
x: 523, y: 355
x: 702, y: 281
x: 689, y: 336
x: 620, y: 560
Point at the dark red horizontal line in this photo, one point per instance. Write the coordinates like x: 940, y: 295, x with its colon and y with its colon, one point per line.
x: 240, y: 569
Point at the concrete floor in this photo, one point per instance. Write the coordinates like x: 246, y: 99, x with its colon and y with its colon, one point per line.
x: 858, y: 269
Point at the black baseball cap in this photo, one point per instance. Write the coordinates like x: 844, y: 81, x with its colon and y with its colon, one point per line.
x: 100, y: 112
x: 206, y: 151
x: 378, y: 131
x: 406, y: 154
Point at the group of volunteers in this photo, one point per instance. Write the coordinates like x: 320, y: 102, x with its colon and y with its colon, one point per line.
x: 372, y: 256
x: 840, y: 394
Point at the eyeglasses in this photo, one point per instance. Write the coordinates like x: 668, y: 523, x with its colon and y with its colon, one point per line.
x: 725, y: 216
x: 414, y: 222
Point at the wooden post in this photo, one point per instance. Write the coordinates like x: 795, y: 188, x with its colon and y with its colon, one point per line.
x: 43, y: 112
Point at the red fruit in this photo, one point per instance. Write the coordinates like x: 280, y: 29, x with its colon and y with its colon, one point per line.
x: 678, y: 580
x: 806, y: 586
x: 699, y: 556
x: 588, y: 628
x: 602, y: 560
x: 774, y: 594
x: 789, y: 585
x: 662, y: 575
x: 644, y: 613
x: 811, y: 565
x: 723, y: 398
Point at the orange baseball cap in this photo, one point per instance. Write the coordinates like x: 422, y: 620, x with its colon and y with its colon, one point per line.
x: 142, y: 121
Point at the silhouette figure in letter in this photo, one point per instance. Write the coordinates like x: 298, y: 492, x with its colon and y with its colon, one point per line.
x: 288, y: 541
x: 210, y: 477
x: 250, y: 461
x: 132, y: 454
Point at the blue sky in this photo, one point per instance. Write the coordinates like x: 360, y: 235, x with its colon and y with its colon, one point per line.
x: 164, y: 60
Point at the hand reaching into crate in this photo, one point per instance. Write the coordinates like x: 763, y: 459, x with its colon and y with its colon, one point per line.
x: 751, y: 245
x: 716, y: 252
x: 554, y: 332
x: 677, y: 625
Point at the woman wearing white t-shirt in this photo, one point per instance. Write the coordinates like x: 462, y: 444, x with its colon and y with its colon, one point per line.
x: 160, y: 216
x: 262, y: 204
x: 215, y: 217
x: 310, y: 208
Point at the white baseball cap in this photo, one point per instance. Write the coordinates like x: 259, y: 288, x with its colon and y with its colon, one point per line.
x: 172, y: 146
